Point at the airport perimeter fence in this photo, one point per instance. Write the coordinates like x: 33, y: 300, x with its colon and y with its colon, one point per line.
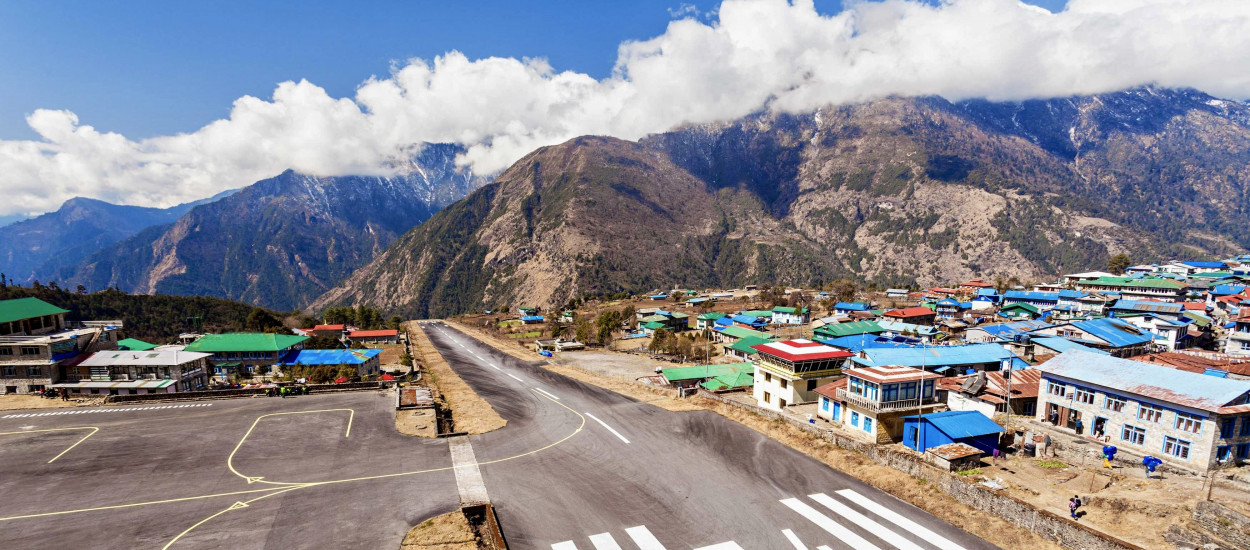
x: 1052, y: 526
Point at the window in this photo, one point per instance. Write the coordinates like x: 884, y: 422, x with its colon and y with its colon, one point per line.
x: 1056, y: 389
x: 1192, y: 424
x: 824, y: 404
x: 1224, y: 453
x: 9, y: 371
x: 1245, y: 427
x: 1149, y: 413
x: 781, y: 402
x: 34, y: 372
x: 1084, y: 396
x: 811, y: 385
x: 889, y: 392
x: 1134, y: 435
x: 768, y: 377
x: 30, y: 350
x: 854, y: 419
x: 1243, y: 451
x: 867, y: 424
x: 1245, y: 346
x: 1226, y: 427
x: 1178, y: 448
x: 768, y: 398
x: 1114, y: 403
x: 785, y: 383
x: 6, y: 350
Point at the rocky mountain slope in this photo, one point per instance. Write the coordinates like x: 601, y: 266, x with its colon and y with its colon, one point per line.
x: 40, y: 247
x: 898, y: 191
x: 283, y: 241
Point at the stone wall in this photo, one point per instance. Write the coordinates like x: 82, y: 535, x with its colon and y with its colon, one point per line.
x: 224, y: 394
x: 1058, y: 528
x: 1223, y: 522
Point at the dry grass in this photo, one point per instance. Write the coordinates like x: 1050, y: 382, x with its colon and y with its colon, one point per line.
x: 390, y: 354
x: 469, y: 411
x: 988, y: 526
x: 23, y: 401
x: 446, y: 532
x: 417, y: 422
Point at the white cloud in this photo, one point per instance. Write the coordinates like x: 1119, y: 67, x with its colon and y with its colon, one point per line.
x: 755, y: 54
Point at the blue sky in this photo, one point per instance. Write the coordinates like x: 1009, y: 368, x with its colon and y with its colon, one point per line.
x: 144, y: 68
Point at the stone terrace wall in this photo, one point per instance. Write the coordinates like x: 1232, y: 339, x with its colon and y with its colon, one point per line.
x: 1058, y: 528
x: 1223, y: 522
x: 224, y: 394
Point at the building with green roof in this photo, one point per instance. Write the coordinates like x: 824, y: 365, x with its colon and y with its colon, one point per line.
x: 731, y: 334
x: 30, y: 316
x: 854, y: 328
x: 730, y: 382
x: 742, y: 349
x: 246, y: 353
x: 707, y: 320
x: 690, y: 376
x: 134, y: 344
x: 1135, y: 288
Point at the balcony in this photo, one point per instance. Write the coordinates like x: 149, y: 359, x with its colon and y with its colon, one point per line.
x: 879, y: 406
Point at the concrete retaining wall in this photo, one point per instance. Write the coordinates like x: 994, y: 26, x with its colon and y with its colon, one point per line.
x: 227, y: 394
x: 1223, y: 522
x: 1055, y: 527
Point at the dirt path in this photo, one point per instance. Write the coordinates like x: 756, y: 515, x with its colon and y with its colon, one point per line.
x: 446, y: 532
x: 24, y: 401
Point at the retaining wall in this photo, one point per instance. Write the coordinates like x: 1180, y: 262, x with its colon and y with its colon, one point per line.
x: 1055, y: 527
x: 227, y: 394
x: 1223, y: 522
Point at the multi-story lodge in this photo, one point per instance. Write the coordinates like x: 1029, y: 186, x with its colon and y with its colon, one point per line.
x: 872, y: 401
x: 1135, y: 288
x: 38, y: 348
x: 1193, y: 421
x: 120, y: 372
x: 245, y: 353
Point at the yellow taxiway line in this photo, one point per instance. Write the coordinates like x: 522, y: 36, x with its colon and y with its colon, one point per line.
x: 256, y: 479
x: 62, y: 453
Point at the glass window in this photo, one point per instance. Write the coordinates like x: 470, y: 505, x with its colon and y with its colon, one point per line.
x: 811, y: 385
x: 10, y: 371
x: 1178, y: 448
x: 1245, y: 427
x: 1084, y: 396
x: 1224, y: 453
x: 34, y: 372
x: 30, y: 350
x: 1134, y: 435
x: 867, y: 424
x: 1190, y: 423
x: 6, y: 350
x: 907, y: 391
x: 824, y: 403
x: 889, y: 392
x: 1226, y: 427
x: 854, y: 418
x: 785, y: 383
x: 1149, y: 413
x: 1114, y: 403
x: 1243, y: 451
x: 1057, y: 389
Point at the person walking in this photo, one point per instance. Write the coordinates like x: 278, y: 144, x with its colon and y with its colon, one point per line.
x: 1073, y: 504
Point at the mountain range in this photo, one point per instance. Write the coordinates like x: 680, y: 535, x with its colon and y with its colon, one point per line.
x: 280, y: 242
x: 898, y: 191
x: 44, y: 245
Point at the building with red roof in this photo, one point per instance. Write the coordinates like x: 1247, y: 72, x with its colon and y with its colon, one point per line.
x: 918, y: 315
x: 788, y: 373
x: 871, y: 402
x: 386, y: 336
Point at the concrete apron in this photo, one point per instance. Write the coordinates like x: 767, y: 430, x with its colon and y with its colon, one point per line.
x: 468, y: 477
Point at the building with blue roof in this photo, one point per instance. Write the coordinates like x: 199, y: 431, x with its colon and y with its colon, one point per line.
x: 1040, y: 300
x: 850, y: 307
x: 947, y: 308
x: 858, y: 342
x: 751, y: 321
x: 365, y: 361
x: 949, y: 360
x: 1190, y: 420
x: 1054, y: 345
x: 1116, y: 336
x: 1002, y: 332
x: 934, y: 430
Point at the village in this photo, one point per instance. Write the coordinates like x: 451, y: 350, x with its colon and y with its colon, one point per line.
x: 1131, y: 389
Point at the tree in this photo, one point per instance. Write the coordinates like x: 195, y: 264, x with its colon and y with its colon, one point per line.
x: 844, y: 290
x: 606, y: 324
x: 659, y: 340
x: 584, y: 331
x: 394, y: 322
x: 262, y: 321
x: 630, y: 316
x: 405, y: 359
x: 1118, y: 263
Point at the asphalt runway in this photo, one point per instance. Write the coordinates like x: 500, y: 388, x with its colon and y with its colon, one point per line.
x: 576, y: 467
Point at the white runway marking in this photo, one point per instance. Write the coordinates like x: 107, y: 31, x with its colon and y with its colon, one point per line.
x: 605, y: 425
x: 731, y: 545
x: 794, y: 539
x: 834, y: 528
x: 566, y: 545
x: 111, y: 410
x: 863, y: 521
x: 513, y: 377
x: 643, y: 538
x: 604, y: 541
x: 547, y: 393
x: 898, y: 519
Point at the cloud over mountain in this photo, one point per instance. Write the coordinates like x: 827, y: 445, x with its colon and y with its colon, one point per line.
x: 754, y: 54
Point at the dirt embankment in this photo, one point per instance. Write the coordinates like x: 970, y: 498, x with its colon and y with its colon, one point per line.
x: 446, y: 532
x: 470, y: 413
x: 508, y: 346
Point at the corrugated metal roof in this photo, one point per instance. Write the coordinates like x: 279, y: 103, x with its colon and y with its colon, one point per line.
x: 742, y: 332
x: 850, y: 329
x: 1008, y: 331
x: 330, y: 356
x: 141, y: 358
x: 1116, y: 333
x: 1164, y: 384
x: 1062, y: 344
x: 1152, y: 307
x: 244, y: 341
x: 678, y: 374
x: 133, y: 344
x: 1031, y: 295
x: 961, y: 424
x: 26, y: 308
x: 935, y: 356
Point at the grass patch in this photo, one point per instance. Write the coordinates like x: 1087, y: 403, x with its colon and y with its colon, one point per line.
x: 534, y: 334
x: 972, y: 472
x: 509, y: 323
x: 1052, y: 464
x: 446, y: 532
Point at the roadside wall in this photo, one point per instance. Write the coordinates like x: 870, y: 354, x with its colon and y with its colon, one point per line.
x: 1058, y: 528
x: 1223, y: 522
x: 226, y: 394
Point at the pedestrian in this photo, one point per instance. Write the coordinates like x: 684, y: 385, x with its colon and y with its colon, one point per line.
x: 1073, y: 504
x: 1054, y: 418
x: 283, y: 392
x: 64, y: 395
x: 995, y: 454
x: 1046, y: 444
x: 1079, y: 426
